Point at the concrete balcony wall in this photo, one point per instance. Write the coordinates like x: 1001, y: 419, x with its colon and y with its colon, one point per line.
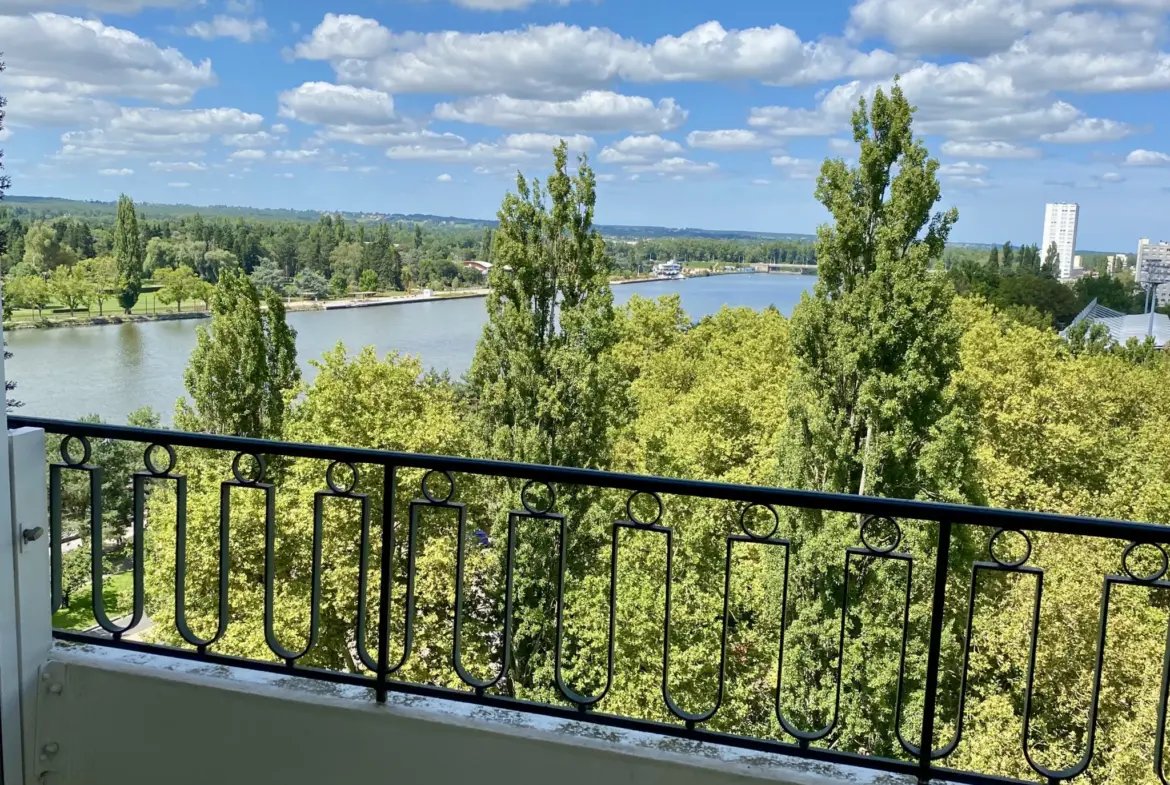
x: 113, y: 717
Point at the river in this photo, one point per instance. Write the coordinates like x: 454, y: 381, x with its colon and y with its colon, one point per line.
x: 110, y: 371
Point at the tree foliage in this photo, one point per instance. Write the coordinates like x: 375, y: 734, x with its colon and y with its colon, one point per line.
x: 128, y: 252
x: 243, y: 365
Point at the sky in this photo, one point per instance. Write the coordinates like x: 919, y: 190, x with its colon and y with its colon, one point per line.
x: 693, y: 113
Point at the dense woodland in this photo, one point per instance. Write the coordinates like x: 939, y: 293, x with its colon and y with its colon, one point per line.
x: 892, y: 378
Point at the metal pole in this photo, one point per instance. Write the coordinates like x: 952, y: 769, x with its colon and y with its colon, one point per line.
x: 1153, y: 305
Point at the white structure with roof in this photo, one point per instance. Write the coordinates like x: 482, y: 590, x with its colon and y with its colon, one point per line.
x: 1060, y: 227
x: 1123, y: 326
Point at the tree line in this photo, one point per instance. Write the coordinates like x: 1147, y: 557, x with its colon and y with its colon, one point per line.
x: 884, y: 381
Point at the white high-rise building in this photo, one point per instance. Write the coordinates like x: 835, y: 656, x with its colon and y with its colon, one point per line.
x: 1060, y: 227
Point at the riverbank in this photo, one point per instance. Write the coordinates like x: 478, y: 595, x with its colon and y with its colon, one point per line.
x: 100, y: 321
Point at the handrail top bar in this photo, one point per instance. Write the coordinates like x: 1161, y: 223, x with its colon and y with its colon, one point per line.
x: 815, y: 500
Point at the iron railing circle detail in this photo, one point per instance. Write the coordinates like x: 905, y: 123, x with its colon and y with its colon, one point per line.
x: 426, y: 486
x: 86, y: 450
x: 869, y: 520
x: 150, y: 464
x: 630, y: 508
x: 341, y: 489
x: 1153, y: 576
x: 237, y: 470
x: 1010, y: 565
x: 535, y: 509
x: 743, y: 524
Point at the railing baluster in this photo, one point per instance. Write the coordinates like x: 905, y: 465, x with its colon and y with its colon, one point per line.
x: 389, y: 487
x: 942, y: 562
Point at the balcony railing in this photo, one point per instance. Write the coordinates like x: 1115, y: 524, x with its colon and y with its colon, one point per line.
x: 383, y: 639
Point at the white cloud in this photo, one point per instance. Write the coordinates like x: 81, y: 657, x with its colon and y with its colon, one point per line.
x: 112, y: 6
x: 639, y: 149
x: 988, y: 150
x: 543, y: 143
x: 531, y: 62
x: 444, y: 178
x: 297, y: 156
x: 606, y: 177
x: 255, y: 139
x: 796, y: 168
x: 115, y: 172
x: 178, y: 166
x: 386, y: 136
x: 962, y: 169
x: 248, y: 155
x: 286, y: 175
x: 57, y: 53
x: 479, y: 152
x: 761, y: 181
x: 343, y: 37
x: 323, y: 103
x: 842, y: 147
x: 178, y: 185
x: 38, y: 108
x: 970, y: 27
x: 675, y: 166
x: 5, y: 134
x: 1088, y: 130
x: 593, y: 111
x: 1111, y: 177
x: 968, y: 183
x: 733, y: 139
x: 1147, y: 158
x: 280, y: 128
x: 221, y: 26
x: 150, y: 130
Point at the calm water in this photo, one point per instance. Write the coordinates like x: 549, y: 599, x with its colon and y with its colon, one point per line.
x: 113, y: 370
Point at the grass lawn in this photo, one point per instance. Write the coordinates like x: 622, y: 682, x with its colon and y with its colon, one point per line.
x: 118, y: 594
x: 148, y: 303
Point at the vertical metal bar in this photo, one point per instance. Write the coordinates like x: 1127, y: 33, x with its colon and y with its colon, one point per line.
x: 55, y: 545
x: 389, y: 476
x: 934, y: 651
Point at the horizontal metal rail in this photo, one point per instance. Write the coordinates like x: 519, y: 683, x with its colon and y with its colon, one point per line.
x: 923, y: 758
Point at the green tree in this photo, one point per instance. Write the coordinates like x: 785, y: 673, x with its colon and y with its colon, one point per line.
x: 43, y: 251
x: 547, y: 388
x: 993, y: 259
x: 347, y: 260
x: 1009, y: 257
x: 269, y: 275
x: 368, y: 282
x: 312, y: 285
x: 72, y: 288
x: 160, y: 254
x: 128, y: 253
x: 178, y: 285
x: 1047, y: 295
x: 1051, y: 262
x: 27, y: 291
x: 102, y: 272
x: 875, y: 346
x: 243, y: 365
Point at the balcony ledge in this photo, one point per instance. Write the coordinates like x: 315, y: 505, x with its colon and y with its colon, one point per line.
x: 145, y: 719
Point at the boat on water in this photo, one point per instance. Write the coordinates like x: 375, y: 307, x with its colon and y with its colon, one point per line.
x: 669, y: 271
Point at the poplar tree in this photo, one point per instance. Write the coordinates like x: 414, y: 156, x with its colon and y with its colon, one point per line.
x: 128, y: 253
x: 242, y: 366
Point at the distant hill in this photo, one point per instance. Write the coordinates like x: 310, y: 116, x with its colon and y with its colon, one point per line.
x: 51, y: 207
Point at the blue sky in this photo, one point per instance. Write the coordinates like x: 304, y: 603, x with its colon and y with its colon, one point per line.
x: 694, y: 113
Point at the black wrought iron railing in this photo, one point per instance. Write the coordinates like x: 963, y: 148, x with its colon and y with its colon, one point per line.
x: 382, y: 638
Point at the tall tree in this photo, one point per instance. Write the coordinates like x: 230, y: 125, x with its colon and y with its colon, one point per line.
x: 993, y: 259
x: 1009, y: 259
x: 1051, y: 262
x: 243, y: 364
x: 875, y: 346
x: 547, y: 386
x: 128, y: 253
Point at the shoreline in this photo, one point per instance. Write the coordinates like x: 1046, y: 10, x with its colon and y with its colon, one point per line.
x: 299, y: 306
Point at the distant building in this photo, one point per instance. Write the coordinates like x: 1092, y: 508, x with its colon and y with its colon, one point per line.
x: 1078, y: 262
x: 671, y: 269
x: 1060, y: 227
x: 483, y: 267
x: 1117, y: 262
